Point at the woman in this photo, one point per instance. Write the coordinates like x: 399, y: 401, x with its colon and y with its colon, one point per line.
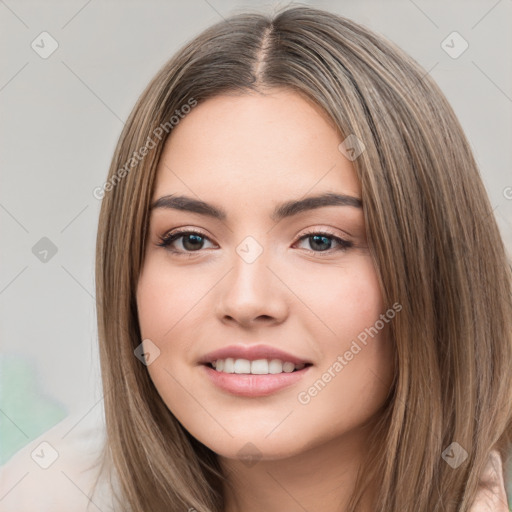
x: 263, y: 113
x: 303, y: 299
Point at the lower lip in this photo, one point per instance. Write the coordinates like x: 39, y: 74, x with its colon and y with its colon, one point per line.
x: 254, y: 385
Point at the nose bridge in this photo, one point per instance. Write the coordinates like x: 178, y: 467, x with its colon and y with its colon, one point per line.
x: 250, y: 275
x: 250, y: 291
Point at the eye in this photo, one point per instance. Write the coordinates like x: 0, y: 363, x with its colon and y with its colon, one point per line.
x: 191, y: 241
x: 321, y: 241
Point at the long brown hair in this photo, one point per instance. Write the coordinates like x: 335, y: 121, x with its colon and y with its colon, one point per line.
x: 432, y: 234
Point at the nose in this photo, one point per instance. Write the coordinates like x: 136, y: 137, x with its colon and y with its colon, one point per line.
x: 251, y: 294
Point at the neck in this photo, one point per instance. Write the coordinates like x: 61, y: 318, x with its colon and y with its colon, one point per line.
x: 320, y: 478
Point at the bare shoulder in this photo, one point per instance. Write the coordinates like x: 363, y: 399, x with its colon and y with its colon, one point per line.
x: 58, y: 470
x: 493, y: 498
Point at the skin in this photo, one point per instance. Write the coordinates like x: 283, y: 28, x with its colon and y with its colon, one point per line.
x: 247, y: 153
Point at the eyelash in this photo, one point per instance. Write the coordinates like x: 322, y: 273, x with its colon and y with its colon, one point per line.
x: 167, y: 240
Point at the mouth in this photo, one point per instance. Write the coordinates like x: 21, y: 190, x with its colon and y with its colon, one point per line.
x: 256, y: 378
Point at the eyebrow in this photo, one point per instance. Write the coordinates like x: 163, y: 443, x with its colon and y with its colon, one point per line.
x: 286, y: 209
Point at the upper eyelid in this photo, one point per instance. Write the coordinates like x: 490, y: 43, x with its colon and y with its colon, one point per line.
x: 311, y: 231
x: 181, y: 232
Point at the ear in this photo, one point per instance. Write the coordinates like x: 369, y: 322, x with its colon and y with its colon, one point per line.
x: 491, y: 496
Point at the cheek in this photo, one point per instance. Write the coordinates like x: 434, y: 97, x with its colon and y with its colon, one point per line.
x: 169, y: 309
x: 356, y: 302
x: 167, y: 300
x: 357, y: 365
x: 363, y: 328
x: 345, y: 299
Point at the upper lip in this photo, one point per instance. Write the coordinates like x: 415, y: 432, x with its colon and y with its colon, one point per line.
x: 252, y: 353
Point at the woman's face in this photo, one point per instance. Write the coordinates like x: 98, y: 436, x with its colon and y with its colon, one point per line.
x: 259, y: 274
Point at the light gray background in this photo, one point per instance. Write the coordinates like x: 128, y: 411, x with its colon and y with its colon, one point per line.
x: 61, y: 118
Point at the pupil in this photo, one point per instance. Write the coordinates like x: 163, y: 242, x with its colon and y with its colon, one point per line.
x: 321, y: 237
x: 196, y: 241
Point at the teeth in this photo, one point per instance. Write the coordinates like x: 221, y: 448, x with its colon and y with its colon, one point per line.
x: 257, y: 367
x: 242, y: 366
x: 229, y: 365
x: 288, y: 367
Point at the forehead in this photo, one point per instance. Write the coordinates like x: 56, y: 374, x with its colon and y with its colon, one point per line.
x: 255, y: 148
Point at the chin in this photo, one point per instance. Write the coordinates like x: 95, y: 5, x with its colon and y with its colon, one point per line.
x: 258, y: 444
